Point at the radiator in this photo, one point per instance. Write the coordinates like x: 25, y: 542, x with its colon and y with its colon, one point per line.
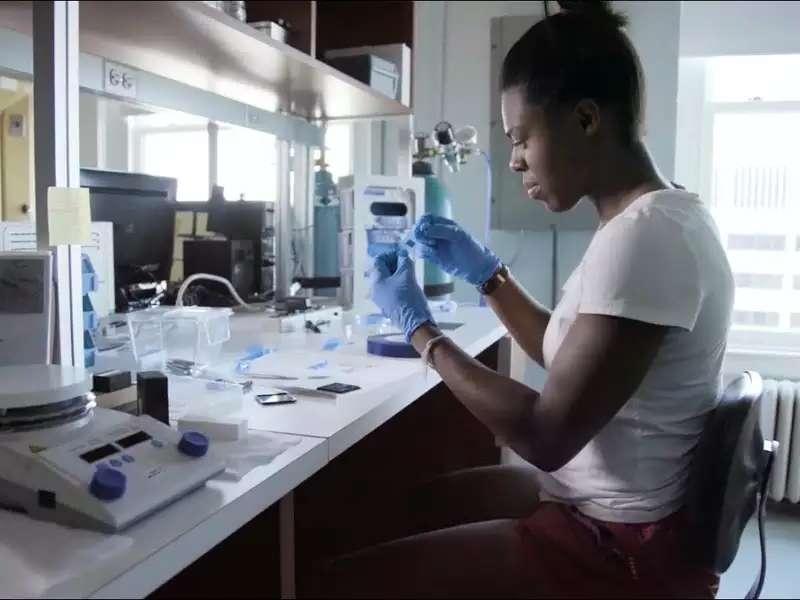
x: 780, y: 421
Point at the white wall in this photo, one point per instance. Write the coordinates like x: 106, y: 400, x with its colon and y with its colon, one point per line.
x: 457, y: 34
x: 17, y: 162
x: 655, y: 32
x: 724, y: 28
x: 689, y: 131
x: 90, y: 130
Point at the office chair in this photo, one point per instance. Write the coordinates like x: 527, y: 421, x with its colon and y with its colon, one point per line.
x: 728, y: 479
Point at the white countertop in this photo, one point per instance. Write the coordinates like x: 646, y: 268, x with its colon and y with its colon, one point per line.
x: 388, y: 385
x: 167, y: 542
x: 170, y: 540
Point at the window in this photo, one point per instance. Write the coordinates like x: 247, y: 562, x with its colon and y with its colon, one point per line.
x: 159, y: 151
x: 247, y: 165
x: 176, y: 145
x: 748, y: 111
x: 339, y: 149
x: 172, y: 145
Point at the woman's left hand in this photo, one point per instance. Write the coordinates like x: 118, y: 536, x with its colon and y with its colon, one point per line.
x: 396, y: 292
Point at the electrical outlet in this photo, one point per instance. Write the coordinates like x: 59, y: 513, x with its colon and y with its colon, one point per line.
x: 16, y: 125
x: 119, y: 80
x: 253, y: 116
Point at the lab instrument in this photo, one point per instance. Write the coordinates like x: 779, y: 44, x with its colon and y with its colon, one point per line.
x: 291, y: 323
x: 26, y: 307
x: 20, y: 236
x: 63, y: 460
x: 235, y: 260
x: 378, y: 213
x: 251, y: 221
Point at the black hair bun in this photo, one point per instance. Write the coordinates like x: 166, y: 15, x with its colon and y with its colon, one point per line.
x: 596, y: 9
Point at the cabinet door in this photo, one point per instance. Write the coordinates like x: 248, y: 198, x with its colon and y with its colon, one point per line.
x: 511, y: 207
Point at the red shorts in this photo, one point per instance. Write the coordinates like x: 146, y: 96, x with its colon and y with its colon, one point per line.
x: 574, y: 556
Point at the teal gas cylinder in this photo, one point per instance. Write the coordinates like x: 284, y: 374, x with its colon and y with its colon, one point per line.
x: 438, y: 284
x: 326, y: 228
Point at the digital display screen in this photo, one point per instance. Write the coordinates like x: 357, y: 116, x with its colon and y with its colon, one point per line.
x: 22, y: 286
x: 133, y: 439
x: 98, y: 453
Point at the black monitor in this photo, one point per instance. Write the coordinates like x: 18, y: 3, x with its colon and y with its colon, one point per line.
x: 142, y: 210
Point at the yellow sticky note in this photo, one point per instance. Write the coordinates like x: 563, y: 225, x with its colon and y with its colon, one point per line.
x: 177, y: 249
x: 69, y: 216
x: 202, y: 224
x: 184, y: 223
x: 176, y: 274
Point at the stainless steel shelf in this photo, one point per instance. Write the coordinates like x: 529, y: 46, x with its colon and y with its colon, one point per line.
x: 199, y: 46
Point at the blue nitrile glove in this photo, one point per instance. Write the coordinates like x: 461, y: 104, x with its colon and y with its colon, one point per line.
x: 444, y: 243
x: 396, y: 292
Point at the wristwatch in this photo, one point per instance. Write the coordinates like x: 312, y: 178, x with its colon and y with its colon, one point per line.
x: 495, y: 281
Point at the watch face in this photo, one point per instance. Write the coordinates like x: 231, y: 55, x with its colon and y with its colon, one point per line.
x: 22, y: 286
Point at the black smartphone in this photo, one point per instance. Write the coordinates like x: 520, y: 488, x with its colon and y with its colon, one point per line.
x: 275, y: 398
x: 338, y: 388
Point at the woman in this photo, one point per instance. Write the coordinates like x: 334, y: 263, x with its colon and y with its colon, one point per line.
x: 634, y: 348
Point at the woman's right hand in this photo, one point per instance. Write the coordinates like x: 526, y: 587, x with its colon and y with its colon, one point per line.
x: 444, y: 243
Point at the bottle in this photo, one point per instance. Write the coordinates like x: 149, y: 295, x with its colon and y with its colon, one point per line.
x: 327, y: 220
x: 236, y: 9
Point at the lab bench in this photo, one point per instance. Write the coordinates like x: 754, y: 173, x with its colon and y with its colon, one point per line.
x: 357, y: 455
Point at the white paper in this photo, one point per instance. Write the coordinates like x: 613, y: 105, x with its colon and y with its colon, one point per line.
x: 257, y: 449
x: 309, y: 367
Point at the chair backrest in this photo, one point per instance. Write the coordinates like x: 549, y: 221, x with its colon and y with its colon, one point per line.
x: 727, y: 468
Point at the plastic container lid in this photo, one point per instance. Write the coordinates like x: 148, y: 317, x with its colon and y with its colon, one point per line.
x: 214, y: 321
x: 199, y: 313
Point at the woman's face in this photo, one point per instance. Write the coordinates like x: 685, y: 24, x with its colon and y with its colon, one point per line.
x: 551, y: 152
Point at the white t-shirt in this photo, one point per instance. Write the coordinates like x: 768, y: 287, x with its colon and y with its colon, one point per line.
x: 659, y: 261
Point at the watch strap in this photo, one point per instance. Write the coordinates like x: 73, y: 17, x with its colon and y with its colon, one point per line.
x: 500, y: 276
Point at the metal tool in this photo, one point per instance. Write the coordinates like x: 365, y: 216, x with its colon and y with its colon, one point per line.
x: 186, y: 368
x: 272, y: 377
x: 304, y: 391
